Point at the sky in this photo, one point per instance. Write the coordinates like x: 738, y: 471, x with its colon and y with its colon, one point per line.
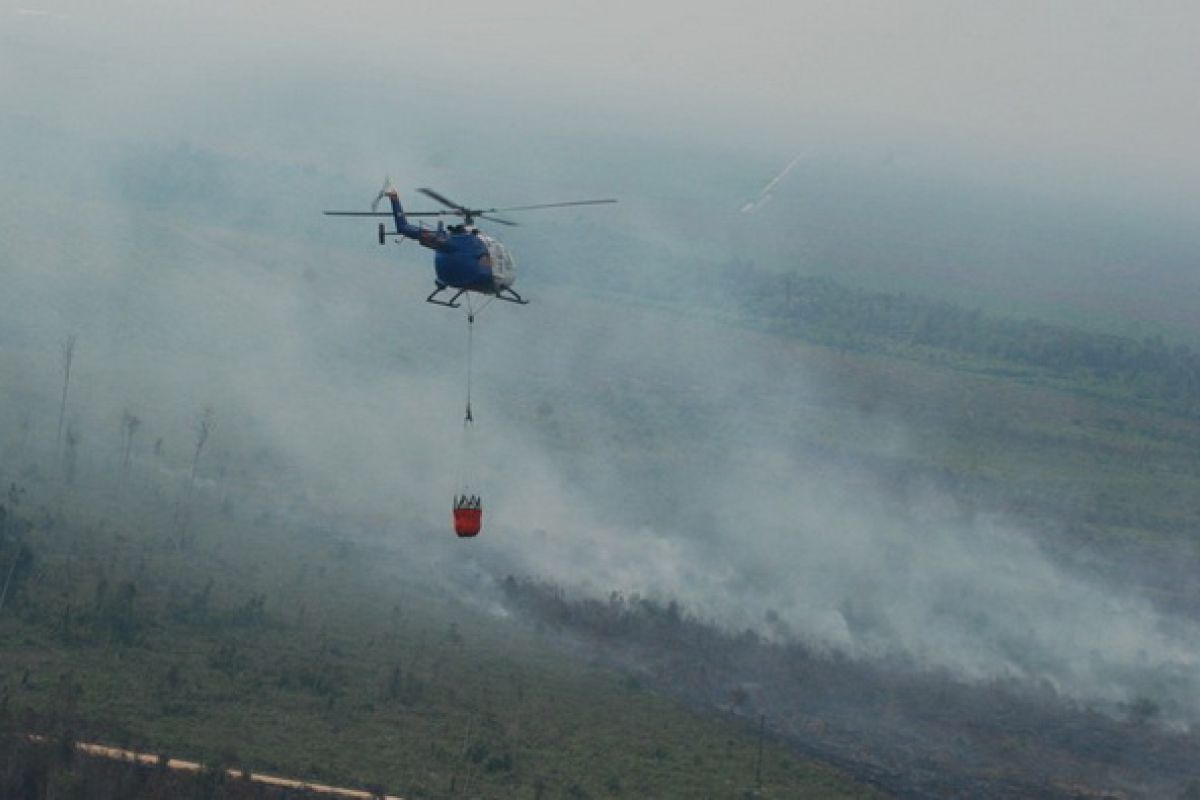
x: 1031, y: 88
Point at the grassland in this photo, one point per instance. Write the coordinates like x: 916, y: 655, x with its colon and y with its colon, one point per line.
x: 331, y: 652
x: 1080, y: 459
x: 284, y: 648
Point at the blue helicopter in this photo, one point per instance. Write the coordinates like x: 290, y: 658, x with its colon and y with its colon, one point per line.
x: 466, y: 259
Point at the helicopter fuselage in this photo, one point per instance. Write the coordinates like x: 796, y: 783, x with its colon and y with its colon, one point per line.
x: 472, y: 260
x: 465, y: 258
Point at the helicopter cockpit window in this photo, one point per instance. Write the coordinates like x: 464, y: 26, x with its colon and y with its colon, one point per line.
x: 502, y: 262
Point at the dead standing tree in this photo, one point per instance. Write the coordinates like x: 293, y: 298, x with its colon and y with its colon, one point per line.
x: 68, y: 355
x: 130, y: 423
x: 156, y: 474
x: 204, y: 427
x: 70, y: 462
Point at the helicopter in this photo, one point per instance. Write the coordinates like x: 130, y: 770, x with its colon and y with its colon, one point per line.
x: 466, y: 259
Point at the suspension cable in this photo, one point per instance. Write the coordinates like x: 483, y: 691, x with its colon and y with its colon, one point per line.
x: 472, y: 312
x: 470, y: 346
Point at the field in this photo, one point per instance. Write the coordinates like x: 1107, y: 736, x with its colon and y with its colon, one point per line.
x: 149, y: 610
x: 283, y: 647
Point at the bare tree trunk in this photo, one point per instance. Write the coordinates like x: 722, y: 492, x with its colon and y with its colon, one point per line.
x: 130, y: 423
x: 70, y: 463
x: 762, y: 726
x: 68, y: 355
x: 4, y: 591
x: 203, y: 429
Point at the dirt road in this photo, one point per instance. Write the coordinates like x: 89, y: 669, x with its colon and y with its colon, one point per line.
x: 153, y: 759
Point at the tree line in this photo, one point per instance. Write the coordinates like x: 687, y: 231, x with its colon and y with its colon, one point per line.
x: 821, y: 310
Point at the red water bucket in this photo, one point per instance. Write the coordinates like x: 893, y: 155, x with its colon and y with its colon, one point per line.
x: 467, y: 521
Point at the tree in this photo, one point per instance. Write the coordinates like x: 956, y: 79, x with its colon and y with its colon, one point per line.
x: 18, y: 570
x: 1142, y: 710
x: 130, y: 423
x: 68, y: 356
x: 203, y: 429
x: 71, y: 457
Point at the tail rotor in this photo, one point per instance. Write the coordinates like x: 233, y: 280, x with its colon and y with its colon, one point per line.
x: 383, y: 192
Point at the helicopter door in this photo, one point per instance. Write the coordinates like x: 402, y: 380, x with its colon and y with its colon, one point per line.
x: 504, y: 267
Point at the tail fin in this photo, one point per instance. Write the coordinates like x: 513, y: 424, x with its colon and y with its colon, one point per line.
x: 397, y: 209
x: 390, y: 192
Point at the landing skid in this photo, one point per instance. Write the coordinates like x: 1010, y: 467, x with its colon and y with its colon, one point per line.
x: 441, y: 287
x: 506, y: 294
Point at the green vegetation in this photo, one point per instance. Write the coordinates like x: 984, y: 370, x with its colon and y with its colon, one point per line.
x: 288, y: 650
x: 1094, y: 435
x: 1098, y: 433
x: 138, y: 613
x: 897, y: 324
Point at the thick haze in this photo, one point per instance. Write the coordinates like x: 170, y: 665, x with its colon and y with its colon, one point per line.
x: 1100, y: 88
x: 166, y: 167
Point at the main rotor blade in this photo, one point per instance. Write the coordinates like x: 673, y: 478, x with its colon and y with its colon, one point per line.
x: 497, y: 219
x: 388, y: 213
x: 446, y: 201
x: 551, y: 205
